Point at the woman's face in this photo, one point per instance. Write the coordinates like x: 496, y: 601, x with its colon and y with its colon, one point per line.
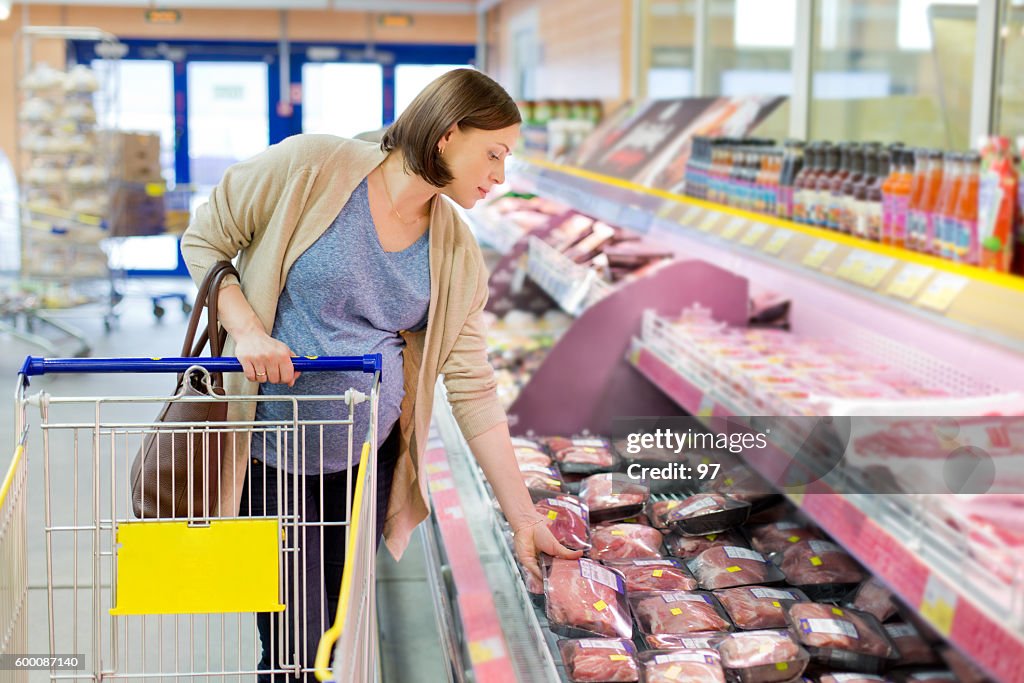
x: 476, y: 159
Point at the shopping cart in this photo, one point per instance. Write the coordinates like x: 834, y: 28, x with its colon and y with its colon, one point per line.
x: 152, y: 599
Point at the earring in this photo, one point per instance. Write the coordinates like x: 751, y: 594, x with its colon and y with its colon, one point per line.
x: 441, y: 150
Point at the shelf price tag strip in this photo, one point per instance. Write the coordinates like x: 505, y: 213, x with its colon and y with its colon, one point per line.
x: 818, y: 254
x: 733, y: 228
x: 942, y: 291
x: 909, y: 280
x: 754, y: 234
x: 777, y: 242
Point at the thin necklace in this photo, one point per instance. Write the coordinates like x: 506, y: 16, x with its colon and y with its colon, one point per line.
x: 387, y: 191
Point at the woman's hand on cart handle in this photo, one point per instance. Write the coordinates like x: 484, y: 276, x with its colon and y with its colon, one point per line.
x: 534, y: 537
x: 265, y: 359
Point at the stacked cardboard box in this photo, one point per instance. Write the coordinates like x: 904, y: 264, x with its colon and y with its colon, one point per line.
x: 137, y: 200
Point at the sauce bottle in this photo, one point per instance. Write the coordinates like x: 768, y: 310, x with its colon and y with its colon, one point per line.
x: 930, y: 200
x: 914, y: 219
x: 847, y: 218
x: 945, y: 213
x: 835, y: 191
x: 966, y: 247
x: 871, y: 206
x: 800, y: 192
x: 791, y: 167
x: 901, y: 197
x: 822, y: 184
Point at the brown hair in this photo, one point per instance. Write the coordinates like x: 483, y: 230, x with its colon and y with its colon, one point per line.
x: 465, y: 97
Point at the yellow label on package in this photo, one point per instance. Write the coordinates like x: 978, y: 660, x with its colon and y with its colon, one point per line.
x: 553, y: 482
x: 816, y: 561
x: 776, y: 603
x: 711, y: 537
x: 657, y: 573
x: 600, y: 605
x: 733, y: 569
x: 552, y: 514
x: 676, y: 611
x: 782, y: 666
x: 793, y: 539
x: 618, y: 658
x: 618, y: 533
x: 673, y: 671
x: 836, y: 611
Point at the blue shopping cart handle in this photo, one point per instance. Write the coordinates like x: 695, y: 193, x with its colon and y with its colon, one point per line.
x: 35, y: 365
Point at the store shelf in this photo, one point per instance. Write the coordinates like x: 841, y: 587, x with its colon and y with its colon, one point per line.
x: 965, y: 299
x: 502, y: 630
x: 574, y: 287
x: 927, y: 565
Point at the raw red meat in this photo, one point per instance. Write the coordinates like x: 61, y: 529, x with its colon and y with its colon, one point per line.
x: 690, y: 641
x: 678, y: 612
x: 643, y: 576
x: 852, y: 678
x: 742, y: 483
x: 809, y: 563
x: 582, y: 594
x: 698, y: 505
x: 531, y: 456
x: 595, y: 452
x: 639, y: 519
x: 756, y: 607
x: 599, y: 660
x: 557, y: 443
x: 660, y: 510
x: 774, y: 649
x: 707, y: 513
x: 567, y: 521
x: 604, y: 492
x: 875, y: 599
x: 727, y: 566
x: 771, y: 538
x: 540, y: 478
x: 825, y: 626
x: 625, y: 542
x: 691, y: 666
x: 912, y: 647
x: 686, y: 547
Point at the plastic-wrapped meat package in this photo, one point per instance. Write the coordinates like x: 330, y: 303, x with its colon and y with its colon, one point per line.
x: 762, y: 657
x: 585, y: 599
x: 742, y: 483
x: 542, y: 482
x: 681, y: 666
x: 757, y: 607
x: 686, y: 547
x: 936, y: 676
x: 526, y: 455
x: 852, y: 678
x: 613, y: 496
x: 875, y: 599
x: 568, y: 521
x: 912, y: 647
x: 586, y: 456
x: 638, y: 519
x: 599, y: 660
x: 659, y: 511
x: 678, y: 612
x: 841, y: 637
x: 625, y: 542
x: 812, y: 563
x: 644, y: 576
x: 689, y: 641
x: 728, y: 566
x: 773, y: 538
x: 708, y: 513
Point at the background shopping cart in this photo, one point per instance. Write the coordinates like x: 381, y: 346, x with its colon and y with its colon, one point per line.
x: 175, y: 597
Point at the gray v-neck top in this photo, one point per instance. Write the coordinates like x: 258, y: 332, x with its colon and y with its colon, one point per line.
x: 345, y: 296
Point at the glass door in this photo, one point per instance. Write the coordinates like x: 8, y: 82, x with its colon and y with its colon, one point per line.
x: 342, y: 98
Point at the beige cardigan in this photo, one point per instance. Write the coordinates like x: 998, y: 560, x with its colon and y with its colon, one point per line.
x: 268, y: 211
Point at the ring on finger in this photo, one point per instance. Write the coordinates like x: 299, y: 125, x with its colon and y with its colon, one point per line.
x: 261, y: 374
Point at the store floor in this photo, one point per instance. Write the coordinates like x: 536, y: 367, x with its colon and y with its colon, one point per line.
x: 410, y: 648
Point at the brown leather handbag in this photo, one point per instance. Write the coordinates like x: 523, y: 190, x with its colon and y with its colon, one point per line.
x: 175, y: 473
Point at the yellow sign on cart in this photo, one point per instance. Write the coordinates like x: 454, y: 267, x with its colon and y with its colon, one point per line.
x: 230, y: 565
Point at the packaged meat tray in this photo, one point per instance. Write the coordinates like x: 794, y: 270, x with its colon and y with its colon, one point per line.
x: 965, y: 670
x: 585, y: 600
x: 742, y: 483
x: 775, y: 538
x: 689, y: 641
x: 762, y: 657
x: 841, y: 638
x: 527, y: 455
x: 568, y: 520
x: 599, y: 660
x: 912, y: 647
x: 658, y: 512
x: 937, y: 676
x: 613, y: 496
x: 681, y: 666
x: 852, y: 678
x: 679, y: 612
x: 638, y: 519
x: 644, y: 576
x: 708, y: 513
x: 625, y: 542
x: 687, y: 547
x: 542, y: 482
x: 534, y: 585
x: 821, y: 569
x: 587, y: 456
x: 728, y: 566
x: 758, y: 607
x: 874, y: 598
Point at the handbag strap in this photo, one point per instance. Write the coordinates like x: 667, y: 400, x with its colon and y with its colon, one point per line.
x: 207, y: 297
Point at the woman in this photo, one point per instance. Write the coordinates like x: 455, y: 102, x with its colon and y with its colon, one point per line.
x: 346, y: 248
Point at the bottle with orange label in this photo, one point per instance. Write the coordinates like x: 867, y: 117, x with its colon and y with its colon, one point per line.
x: 915, y: 219
x: 966, y: 247
x: 997, y: 199
x: 929, y: 201
x: 944, y: 216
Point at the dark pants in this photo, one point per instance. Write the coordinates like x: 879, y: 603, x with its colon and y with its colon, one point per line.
x: 321, y: 550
